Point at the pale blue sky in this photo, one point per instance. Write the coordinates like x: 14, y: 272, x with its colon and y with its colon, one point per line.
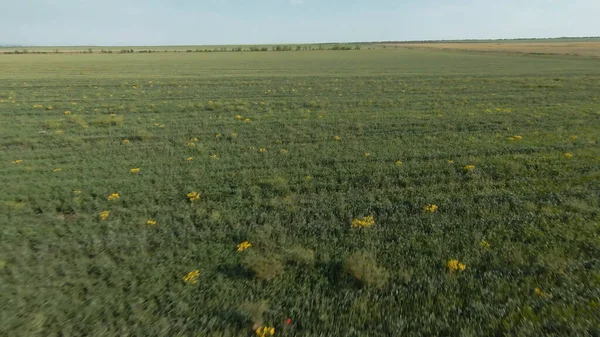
x: 182, y: 22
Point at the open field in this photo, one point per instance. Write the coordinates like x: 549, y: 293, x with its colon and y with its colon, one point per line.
x: 583, y: 48
x: 386, y: 192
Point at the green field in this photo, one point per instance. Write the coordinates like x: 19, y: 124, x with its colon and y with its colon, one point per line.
x: 290, y: 151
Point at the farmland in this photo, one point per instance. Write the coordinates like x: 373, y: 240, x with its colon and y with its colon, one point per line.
x: 390, y: 192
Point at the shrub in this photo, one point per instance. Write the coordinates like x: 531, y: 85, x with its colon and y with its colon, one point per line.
x: 299, y: 255
x: 254, y: 312
x: 106, y: 121
x: 265, y: 266
x: 363, y: 267
x: 77, y: 120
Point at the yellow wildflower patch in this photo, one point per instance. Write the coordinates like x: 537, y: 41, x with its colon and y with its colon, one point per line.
x: 243, y: 246
x: 113, y: 196
x: 366, y: 221
x: 568, y: 155
x: 151, y: 222
x: 430, y: 208
x: 265, y: 331
x: 104, y: 215
x: 193, y: 196
x: 455, y: 265
x: 469, y: 167
x: 134, y: 170
x: 191, y: 277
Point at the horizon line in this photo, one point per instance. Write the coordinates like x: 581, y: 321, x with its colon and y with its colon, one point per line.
x: 310, y: 43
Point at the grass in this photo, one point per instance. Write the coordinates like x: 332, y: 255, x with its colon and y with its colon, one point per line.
x: 523, y: 219
x: 585, y: 48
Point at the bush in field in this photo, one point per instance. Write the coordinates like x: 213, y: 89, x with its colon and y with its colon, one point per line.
x: 300, y: 256
x: 253, y: 312
x: 109, y: 120
x: 363, y: 267
x: 265, y: 266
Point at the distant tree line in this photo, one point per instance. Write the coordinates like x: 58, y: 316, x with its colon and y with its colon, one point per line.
x: 279, y: 48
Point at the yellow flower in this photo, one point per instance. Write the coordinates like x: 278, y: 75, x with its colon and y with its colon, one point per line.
x: 430, y: 208
x: 243, y: 246
x: 283, y: 151
x: 366, y: 221
x: 189, y: 158
x: 484, y: 244
x: 398, y: 163
x: 151, y: 222
x: 265, y: 331
x: 195, y: 139
x: 518, y: 138
x: 238, y: 117
x: 193, y: 196
x: 308, y: 177
x: 133, y: 87
x: 572, y: 138
x: 56, y: 169
x: 234, y: 134
x: 67, y: 112
x: 49, y: 108
x: 450, y: 162
x: 455, y: 265
x: 162, y: 126
x: 367, y: 154
x: 511, y: 138
x: 218, y: 135
x: 18, y: 161
x: 568, y: 155
x: 104, y: 215
x: 338, y: 138
x: 213, y: 156
x: 192, y: 277
x: 539, y: 292
x: 135, y: 170
x: 246, y: 120
x: 262, y: 149
x: 125, y: 141
x: 191, y: 144
x: 469, y: 167
x: 76, y: 192
x: 113, y: 196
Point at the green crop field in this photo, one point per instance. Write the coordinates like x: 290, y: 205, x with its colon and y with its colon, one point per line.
x: 374, y: 193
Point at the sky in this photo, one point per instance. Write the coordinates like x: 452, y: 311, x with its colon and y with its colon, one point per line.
x: 215, y: 22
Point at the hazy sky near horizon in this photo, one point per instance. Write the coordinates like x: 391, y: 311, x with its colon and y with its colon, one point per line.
x: 209, y: 22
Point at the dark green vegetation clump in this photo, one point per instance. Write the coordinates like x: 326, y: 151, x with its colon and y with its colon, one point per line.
x: 381, y: 192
